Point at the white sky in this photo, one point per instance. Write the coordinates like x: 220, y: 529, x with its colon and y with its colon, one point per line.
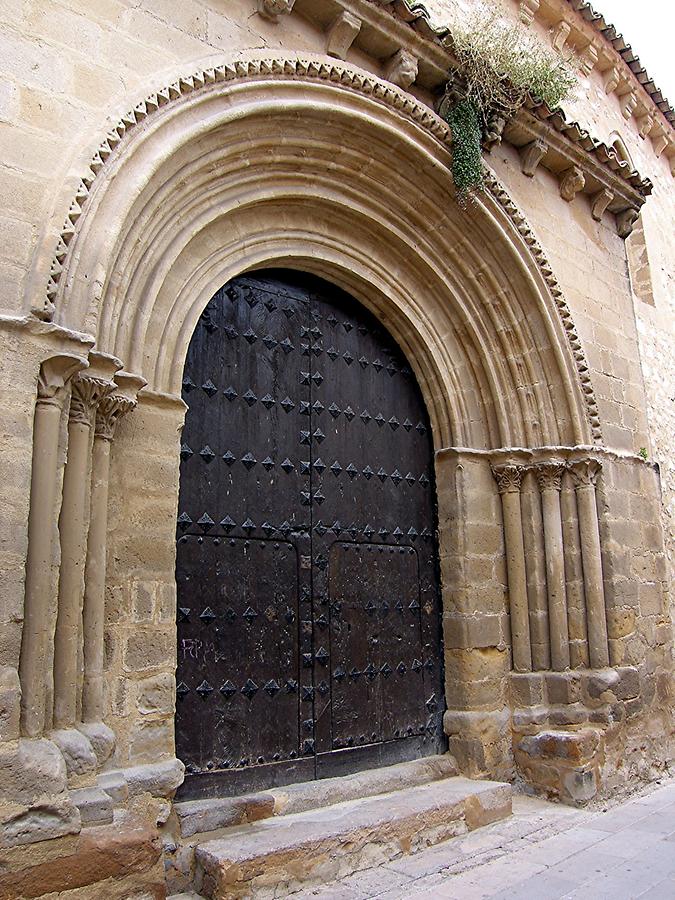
x: 649, y: 27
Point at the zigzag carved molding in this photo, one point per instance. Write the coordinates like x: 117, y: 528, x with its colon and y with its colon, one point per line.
x: 404, y: 104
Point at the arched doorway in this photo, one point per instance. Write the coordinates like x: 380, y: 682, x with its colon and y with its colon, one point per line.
x: 309, y: 624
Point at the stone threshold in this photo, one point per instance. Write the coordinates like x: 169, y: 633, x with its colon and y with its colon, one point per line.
x: 198, y: 817
x: 280, y: 855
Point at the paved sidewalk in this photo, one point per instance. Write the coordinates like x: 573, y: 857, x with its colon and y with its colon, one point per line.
x: 544, y: 852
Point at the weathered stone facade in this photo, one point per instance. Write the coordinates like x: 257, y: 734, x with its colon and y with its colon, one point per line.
x: 151, y: 151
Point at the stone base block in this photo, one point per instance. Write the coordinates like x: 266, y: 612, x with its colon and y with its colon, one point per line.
x: 562, y: 765
x: 78, y: 754
x: 95, y: 806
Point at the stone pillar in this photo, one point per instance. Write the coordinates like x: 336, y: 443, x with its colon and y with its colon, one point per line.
x: 88, y: 390
x: 533, y: 537
x: 585, y: 473
x: 509, y: 478
x: 110, y: 410
x: 55, y: 374
x: 549, y: 477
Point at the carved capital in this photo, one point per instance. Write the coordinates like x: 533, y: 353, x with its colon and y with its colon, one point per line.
x: 528, y: 10
x: 55, y: 373
x: 531, y: 155
x: 110, y: 411
x: 87, y: 393
x: 571, y: 182
x: 600, y: 202
x: 585, y: 472
x: 549, y: 476
x: 342, y: 34
x: 273, y: 9
x: 508, y: 478
x: 401, y: 69
x: 625, y: 221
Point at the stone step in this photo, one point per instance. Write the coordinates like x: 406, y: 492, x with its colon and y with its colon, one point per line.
x: 197, y: 817
x: 281, y: 855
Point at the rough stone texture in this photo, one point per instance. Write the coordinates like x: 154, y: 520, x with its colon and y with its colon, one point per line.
x: 564, y: 765
x: 160, y: 780
x: 78, y: 754
x: 10, y: 694
x: 280, y: 854
x: 31, y: 769
x: 95, y: 806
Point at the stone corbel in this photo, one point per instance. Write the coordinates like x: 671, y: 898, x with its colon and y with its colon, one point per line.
x: 600, y: 202
x: 401, y: 69
x: 571, y: 182
x: 613, y: 79
x: 274, y: 9
x: 629, y: 103
x: 528, y: 10
x: 560, y: 34
x: 341, y: 34
x: 588, y: 60
x: 645, y: 125
x: 625, y: 221
x: 531, y: 155
x: 659, y: 140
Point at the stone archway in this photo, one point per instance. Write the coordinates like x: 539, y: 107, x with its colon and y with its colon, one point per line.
x: 316, y: 166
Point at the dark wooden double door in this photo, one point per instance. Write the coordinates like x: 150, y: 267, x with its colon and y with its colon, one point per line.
x: 309, y: 639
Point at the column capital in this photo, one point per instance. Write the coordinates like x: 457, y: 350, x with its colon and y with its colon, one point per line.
x: 55, y: 373
x: 117, y: 404
x: 585, y: 472
x: 508, y: 478
x: 88, y: 392
x: 549, y: 475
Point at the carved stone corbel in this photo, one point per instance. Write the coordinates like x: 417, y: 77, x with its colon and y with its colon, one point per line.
x: 401, y: 69
x: 588, y: 60
x: 645, y: 125
x: 341, y: 34
x: 531, y: 155
x: 625, y: 221
x: 571, y: 182
x: 600, y: 202
x: 629, y: 103
x: 612, y: 79
x: 659, y: 140
x: 274, y: 9
x: 528, y: 10
x: 560, y: 34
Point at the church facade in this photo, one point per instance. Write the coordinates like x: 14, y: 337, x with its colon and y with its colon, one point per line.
x: 309, y: 469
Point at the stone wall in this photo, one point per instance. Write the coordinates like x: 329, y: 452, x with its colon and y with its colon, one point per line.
x: 87, y: 553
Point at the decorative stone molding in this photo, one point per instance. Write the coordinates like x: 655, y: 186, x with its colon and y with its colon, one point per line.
x: 528, y: 10
x: 518, y: 219
x: 274, y: 9
x: 571, y: 182
x: 600, y: 202
x: 531, y: 155
x: 341, y: 77
x: 342, y: 34
x: 401, y: 69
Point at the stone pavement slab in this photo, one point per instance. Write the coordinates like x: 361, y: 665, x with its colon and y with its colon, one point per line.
x: 623, y: 851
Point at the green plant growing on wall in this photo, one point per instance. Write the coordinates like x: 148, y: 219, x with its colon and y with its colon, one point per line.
x: 500, y: 63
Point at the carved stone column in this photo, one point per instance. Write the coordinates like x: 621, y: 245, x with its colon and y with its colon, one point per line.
x: 110, y: 410
x: 509, y: 479
x: 549, y: 477
x: 55, y: 374
x: 584, y: 474
x: 87, y: 392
